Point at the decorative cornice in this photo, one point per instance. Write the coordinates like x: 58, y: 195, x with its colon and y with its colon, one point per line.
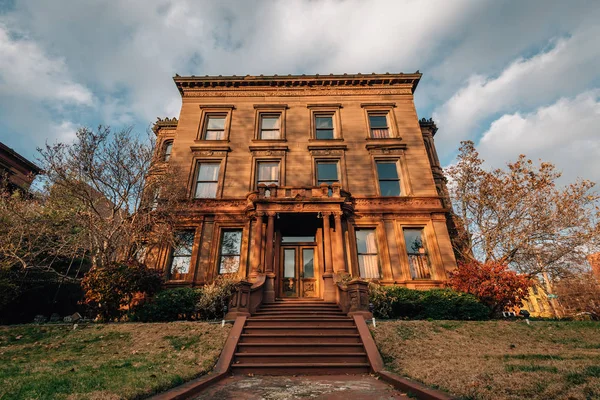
x: 296, y: 85
x: 209, y: 150
x: 167, y: 123
x: 271, y: 106
x: 428, y: 124
x: 372, y: 105
x: 324, y: 105
x: 217, y: 106
x: 385, y: 148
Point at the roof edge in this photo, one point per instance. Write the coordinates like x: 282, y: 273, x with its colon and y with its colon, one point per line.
x: 353, y: 80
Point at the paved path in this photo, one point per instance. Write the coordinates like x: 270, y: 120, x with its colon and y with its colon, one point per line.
x: 324, y: 387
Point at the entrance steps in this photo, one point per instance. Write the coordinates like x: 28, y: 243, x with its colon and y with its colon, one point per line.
x: 300, y: 337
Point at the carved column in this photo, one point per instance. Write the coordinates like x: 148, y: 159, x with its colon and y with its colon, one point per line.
x: 327, y: 244
x: 270, y: 279
x: 340, y: 260
x: 256, y: 244
x: 329, y: 293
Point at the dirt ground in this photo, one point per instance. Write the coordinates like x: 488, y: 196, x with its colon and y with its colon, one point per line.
x: 496, y: 359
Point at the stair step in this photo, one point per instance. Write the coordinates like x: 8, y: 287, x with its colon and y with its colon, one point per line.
x: 299, y: 338
x: 311, y: 322
x: 293, y: 329
x: 301, y: 300
x: 296, y: 317
x: 301, y: 368
x: 303, y: 308
x: 300, y: 347
x: 300, y: 312
x: 295, y: 358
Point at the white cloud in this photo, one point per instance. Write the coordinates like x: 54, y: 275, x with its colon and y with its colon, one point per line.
x: 564, y: 133
x: 568, y: 67
x: 25, y: 70
x: 117, y: 58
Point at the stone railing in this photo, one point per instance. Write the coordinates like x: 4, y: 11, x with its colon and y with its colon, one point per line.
x: 300, y: 192
x: 246, y: 298
x: 353, y: 298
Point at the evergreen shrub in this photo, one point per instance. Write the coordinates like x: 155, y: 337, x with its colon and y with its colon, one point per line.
x: 401, y: 302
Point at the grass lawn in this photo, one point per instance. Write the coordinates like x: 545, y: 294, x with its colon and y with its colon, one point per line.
x: 104, y: 361
x: 496, y: 359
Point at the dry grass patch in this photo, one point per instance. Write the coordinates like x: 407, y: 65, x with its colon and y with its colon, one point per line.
x: 496, y: 359
x: 104, y: 361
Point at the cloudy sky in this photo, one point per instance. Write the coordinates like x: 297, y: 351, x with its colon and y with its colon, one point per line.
x: 514, y: 76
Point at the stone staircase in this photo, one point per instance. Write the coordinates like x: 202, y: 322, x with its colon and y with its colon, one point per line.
x: 300, y: 337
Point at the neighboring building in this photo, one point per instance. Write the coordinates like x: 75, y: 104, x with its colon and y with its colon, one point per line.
x: 537, y: 302
x: 19, y: 171
x: 302, y: 179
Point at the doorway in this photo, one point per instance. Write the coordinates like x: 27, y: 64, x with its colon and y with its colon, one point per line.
x: 299, y: 271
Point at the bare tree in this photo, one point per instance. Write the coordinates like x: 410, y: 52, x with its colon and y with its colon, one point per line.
x: 521, y: 215
x: 108, y: 174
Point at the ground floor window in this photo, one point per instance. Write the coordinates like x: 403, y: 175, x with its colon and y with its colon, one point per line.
x: 416, y: 250
x: 182, y: 253
x: 368, y: 260
x: 231, y: 244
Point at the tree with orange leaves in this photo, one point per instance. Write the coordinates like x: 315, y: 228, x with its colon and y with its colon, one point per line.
x: 492, y: 282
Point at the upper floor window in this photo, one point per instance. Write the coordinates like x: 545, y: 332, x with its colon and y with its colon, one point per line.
x: 230, y: 252
x: 215, y: 127
x: 324, y: 127
x: 418, y: 258
x: 267, y: 173
x: 270, y: 126
x: 181, y: 256
x: 167, y: 147
x: 327, y: 172
x: 389, y: 181
x: 379, y: 126
x: 207, y: 180
x: 366, y: 247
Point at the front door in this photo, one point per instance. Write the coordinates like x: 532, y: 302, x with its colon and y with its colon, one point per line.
x: 299, y: 271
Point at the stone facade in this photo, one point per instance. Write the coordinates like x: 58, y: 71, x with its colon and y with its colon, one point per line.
x: 303, y: 180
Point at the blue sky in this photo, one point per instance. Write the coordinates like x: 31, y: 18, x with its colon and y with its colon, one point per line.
x: 515, y: 77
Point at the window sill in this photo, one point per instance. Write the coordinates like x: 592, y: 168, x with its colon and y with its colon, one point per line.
x: 208, y: 141
x: 325, y: 141
x: 394, y: 139
x: 266, y: 141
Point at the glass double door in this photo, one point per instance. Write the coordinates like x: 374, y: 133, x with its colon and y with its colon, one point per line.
x: 299, y: 272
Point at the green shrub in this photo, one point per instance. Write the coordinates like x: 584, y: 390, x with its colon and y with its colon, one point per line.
x: 168, y: 305
x: 214, y: 297
x: 401, y: 302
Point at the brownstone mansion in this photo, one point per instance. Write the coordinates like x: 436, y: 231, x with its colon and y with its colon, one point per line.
x: 298, y: 180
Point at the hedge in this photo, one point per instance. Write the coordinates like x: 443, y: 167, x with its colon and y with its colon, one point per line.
x: 401, y: 302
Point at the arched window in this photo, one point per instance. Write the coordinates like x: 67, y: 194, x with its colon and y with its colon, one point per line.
x: 167, y: 147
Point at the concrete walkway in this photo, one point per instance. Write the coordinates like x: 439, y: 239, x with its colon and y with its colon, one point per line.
x: 324, y: 387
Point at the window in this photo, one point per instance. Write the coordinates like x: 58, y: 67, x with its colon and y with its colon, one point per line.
x: 389, y: 181
x: 368, y: 260
x: 378, y: 124
x: 207, y: 180
x: 324, y: 127
x: 270, y: 127
x: 231, y: 244
x: 267, y: 173
x: 215, y: 127
x: 417, y: 253
x: 167, y: 147
x: 327, y: 172
x: 182, y: 253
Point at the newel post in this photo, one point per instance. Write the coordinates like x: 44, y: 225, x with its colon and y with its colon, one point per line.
x: 239, y: 303
x: 358, y: 295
